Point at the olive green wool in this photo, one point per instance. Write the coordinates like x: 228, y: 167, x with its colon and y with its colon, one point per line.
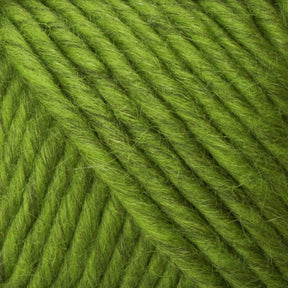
x: 144, y: 143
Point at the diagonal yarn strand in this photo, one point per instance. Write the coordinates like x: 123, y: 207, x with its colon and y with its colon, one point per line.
x: 143, y: 143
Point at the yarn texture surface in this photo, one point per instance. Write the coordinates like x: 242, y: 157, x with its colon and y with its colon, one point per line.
x: 144, y: 143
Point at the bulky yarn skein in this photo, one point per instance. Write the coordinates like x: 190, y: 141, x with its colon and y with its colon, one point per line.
x: 144, y: 143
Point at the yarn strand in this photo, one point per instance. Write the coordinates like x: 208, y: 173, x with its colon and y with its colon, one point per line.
x: 143, y: 144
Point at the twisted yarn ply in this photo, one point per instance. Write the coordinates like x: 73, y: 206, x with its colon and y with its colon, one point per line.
x: 144, y: 143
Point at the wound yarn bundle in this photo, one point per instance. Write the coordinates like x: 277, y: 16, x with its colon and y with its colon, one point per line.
x: 144, y: 143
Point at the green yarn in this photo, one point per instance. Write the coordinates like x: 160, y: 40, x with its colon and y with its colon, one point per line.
x: 143, y: 143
